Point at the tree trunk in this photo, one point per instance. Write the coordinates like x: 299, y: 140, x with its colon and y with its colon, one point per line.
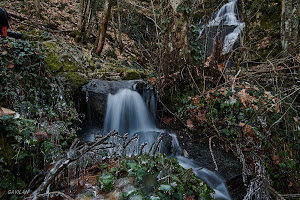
x: 81, y: 6
x: 91, y: 26
x: 289, y: 24
x: 119, y: 25
x: 103, y: 27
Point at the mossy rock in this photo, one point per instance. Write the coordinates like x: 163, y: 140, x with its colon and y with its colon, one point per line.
x: 53, y: 62
x: 70, y: 64
x: 77, y: 79
x: 51, y: 45
x: 132, y: 75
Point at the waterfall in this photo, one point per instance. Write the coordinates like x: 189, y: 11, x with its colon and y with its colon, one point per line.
x: 127, y: 113
x: 227, y: 17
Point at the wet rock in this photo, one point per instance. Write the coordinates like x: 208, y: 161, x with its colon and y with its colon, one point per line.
x: 94, y: 97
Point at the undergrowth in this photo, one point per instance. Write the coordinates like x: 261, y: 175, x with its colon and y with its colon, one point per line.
x: 43, y: 125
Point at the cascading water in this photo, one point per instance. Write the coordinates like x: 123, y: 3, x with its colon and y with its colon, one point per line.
x: 227, y: 17
x: 127, y: 113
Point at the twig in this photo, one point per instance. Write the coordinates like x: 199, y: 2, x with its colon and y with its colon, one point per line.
x: 157, y: 144
x: 291, y: 195
x: 212, y: 154
x: 171, y: 112
x: 56, y: 192
x: 142, y: 147
x: 64, y: 162
x: 129, y: 141
x: 272, y: 189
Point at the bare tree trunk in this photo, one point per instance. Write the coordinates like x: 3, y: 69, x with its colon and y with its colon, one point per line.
x: 289, y: 24
x: 120, y: 25
x: 81, y: 6
x: 91, y: 26
x: 86, y: 16
x: 103, y: 27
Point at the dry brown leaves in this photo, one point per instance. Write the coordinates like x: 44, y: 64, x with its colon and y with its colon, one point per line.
x: 6, y: 111
x: 189, y: 124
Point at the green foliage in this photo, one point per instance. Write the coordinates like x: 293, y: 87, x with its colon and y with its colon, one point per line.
x: 195, y: 45
x: 253, y: 117
x: 28, y: 87
x: 105, y: 181
x: 159, y: 177
x: 15, y: 153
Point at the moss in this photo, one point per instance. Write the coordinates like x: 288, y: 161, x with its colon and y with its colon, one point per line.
x: 50, y: 45
x: 70, y: 64
x: 77, y: 79
x: 53, y: 62
x: 132, y: 75
x: 91, y: 63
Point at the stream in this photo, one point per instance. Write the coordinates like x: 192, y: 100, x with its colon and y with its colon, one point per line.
x: 126, y: 112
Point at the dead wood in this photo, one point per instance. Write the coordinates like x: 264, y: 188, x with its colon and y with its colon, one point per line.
x: 73, y: 154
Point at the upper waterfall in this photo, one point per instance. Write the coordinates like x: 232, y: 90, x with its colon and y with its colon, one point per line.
x: 227, y: 16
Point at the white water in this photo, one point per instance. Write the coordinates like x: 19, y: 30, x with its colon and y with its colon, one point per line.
x: 227, y: 16
x: 127, y: 113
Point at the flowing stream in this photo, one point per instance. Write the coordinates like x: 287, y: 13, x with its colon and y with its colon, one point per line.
x: 127, y: 113
x: 226, y: 18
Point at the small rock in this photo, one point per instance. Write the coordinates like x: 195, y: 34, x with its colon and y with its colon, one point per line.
x: 185, y: 153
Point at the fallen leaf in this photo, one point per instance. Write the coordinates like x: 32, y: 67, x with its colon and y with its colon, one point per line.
x: 10, y: 66
x: 255, y: 107
x: 247, y: 149
x: 248, y: 129
x: 295, y: 119
x: 167, y: 120
x: 241, y: 124
x: 6, y: 111
x: 221, y: 67
x: 189, y: 124
x: 201, y: 116
x: 4, y: 53
x: 41, y: 136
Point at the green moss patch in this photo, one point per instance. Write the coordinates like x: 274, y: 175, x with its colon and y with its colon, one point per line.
x: 53, y: 62
x: 70, y: 64
x: 76, y: 78
x: 132, y: 75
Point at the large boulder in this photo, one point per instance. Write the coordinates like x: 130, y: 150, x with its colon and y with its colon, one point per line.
x: 94, y: 96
